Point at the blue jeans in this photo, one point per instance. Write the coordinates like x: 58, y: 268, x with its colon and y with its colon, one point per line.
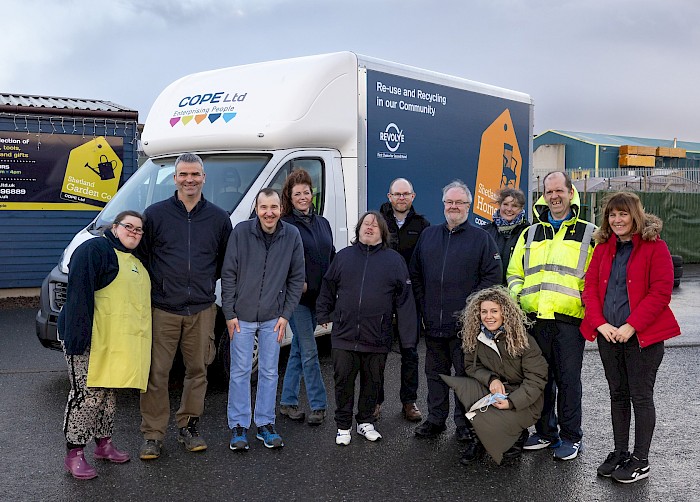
x: 303, y: 357
x: 241, y: 364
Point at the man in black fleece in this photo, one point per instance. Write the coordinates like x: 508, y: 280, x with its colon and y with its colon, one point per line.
x: 405, y: 226
x: 183, y: 247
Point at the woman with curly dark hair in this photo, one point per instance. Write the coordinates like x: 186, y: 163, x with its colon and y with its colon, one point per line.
x: 627, y: 293
x: 504, y: 363
x: 315, y: 231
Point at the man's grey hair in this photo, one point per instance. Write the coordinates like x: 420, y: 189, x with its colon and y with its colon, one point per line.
x: 400, y: 179
x: 190, y: 158
x: 457, y: 184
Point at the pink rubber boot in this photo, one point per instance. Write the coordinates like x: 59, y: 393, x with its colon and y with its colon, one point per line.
x: 76, y: 464
x: 105, y: 450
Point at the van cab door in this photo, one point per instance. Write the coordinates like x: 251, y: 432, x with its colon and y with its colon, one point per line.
x: 329, y: 193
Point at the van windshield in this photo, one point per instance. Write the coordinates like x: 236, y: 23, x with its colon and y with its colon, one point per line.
x: 228, y: 178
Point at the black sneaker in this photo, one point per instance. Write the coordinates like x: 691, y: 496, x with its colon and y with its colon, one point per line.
x: 473, y: 451
x: 515, y: 451
x: 189, y: 436
x: 429, y: 430
x: 631, y: 470
x: 614, y: 460
x: 292, y: 412
x: 462, y: 433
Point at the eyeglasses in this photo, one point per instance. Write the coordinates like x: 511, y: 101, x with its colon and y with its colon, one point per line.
x: 458, y: 203
x: 405, y: 195
x: 130, y: 228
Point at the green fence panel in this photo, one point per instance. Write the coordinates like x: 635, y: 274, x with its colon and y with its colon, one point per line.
x: 680, y: 213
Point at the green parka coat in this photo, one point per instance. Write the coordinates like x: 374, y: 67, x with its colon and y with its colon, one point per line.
x: 524, y: 378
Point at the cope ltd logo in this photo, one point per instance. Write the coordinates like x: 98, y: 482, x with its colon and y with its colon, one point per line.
x: 210, y: 106
x: 393, y: 138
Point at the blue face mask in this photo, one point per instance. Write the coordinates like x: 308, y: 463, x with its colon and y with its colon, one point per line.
x: 486, y: 401
x: 497, y: 395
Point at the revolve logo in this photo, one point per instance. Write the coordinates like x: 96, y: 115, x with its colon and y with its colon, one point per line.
x: 392, y: 137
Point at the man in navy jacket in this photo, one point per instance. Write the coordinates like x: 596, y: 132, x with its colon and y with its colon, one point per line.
x: 450, y: 262
x: 183, y: 247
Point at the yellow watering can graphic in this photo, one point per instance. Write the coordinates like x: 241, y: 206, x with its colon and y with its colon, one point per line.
x: 96, y: 156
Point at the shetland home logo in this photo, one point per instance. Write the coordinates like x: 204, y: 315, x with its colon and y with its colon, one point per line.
x: 207, y: 107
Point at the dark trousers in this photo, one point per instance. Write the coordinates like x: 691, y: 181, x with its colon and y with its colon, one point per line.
x: 631, y: 374
x: 408, y: 393
x: 346, y: 366
x: 441, y: 355
x: 562, y: 346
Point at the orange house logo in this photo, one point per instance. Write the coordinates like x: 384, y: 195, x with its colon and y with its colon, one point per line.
x: 500, y: 164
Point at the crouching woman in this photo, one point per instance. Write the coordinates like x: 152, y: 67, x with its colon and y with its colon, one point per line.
x: 499, y: 358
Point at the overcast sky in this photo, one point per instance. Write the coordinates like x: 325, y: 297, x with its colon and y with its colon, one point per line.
x: 609, y: 66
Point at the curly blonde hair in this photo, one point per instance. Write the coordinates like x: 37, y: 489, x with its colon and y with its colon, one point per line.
x: 514, y: 320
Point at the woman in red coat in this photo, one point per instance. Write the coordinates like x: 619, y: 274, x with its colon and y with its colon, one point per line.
x: 626, y: 294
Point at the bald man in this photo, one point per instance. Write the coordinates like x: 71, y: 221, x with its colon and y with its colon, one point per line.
x: 405, y: 226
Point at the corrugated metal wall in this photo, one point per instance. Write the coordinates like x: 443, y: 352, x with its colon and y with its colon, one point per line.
x: 608, y: 157
x: 31, y: 242
x: 578, y: 153
x: 680, y: 213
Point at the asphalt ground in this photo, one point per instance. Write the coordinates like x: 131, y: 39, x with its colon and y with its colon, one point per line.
x: 34, y: 386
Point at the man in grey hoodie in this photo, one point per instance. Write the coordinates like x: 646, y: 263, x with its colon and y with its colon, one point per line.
x: 261, y: 283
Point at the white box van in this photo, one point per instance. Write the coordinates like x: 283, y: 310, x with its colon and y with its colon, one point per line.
x: 354, y: 123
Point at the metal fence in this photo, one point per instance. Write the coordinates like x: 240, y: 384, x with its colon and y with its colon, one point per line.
x: 642, y: 179
x: 680, y: 213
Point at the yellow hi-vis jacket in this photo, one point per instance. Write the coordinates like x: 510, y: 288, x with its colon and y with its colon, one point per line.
x: 547, y: 268
x: 120, y: 350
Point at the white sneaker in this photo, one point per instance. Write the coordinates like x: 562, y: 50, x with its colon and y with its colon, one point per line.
x: 368, y: 431
x: 343, y: 438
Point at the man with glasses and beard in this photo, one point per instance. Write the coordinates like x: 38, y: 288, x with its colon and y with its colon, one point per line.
x: 405, y: 226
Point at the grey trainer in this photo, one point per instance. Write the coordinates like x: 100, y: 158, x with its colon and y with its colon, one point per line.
x: 189, y: 436
x: 151, y: 449
x: 316, y: 417
x: 292, y: 412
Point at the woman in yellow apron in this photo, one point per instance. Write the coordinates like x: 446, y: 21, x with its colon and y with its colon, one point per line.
x: 105, y: 329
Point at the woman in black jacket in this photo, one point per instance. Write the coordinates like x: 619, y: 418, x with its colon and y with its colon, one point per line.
x: 364, y: 285
x: 315, y: 231
x: 508, y: 223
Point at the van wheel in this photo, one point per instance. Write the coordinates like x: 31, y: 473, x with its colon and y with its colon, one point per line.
x: 677, y: 269
x: 223, y: 354
x: 677, y: 260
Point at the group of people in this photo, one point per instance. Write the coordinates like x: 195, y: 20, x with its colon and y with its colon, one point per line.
x: 501, y: 310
